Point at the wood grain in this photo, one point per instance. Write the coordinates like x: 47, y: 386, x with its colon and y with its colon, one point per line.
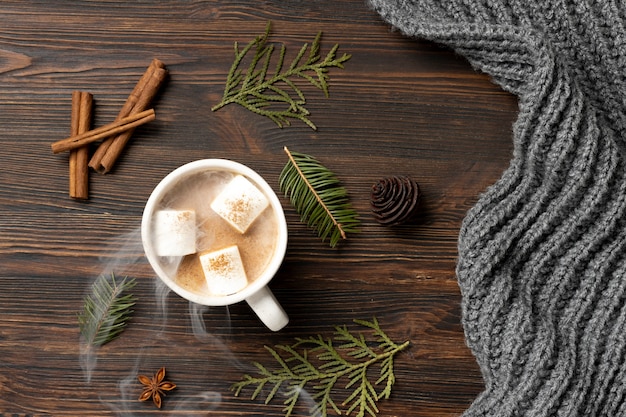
x: 400, y: 106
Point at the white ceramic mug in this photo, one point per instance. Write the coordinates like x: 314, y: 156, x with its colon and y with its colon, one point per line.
x: 256, y: 293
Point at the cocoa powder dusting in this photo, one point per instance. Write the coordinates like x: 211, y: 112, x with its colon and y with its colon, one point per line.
x: 221, y: 264
x: 184, y: 216
x: 237, y: 209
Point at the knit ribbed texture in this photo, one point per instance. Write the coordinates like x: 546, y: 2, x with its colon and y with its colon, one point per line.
x: 542, y: 255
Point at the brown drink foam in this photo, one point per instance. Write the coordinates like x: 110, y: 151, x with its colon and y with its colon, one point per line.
x: 256, y: 245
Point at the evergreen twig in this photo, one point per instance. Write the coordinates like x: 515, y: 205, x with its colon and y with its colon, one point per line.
x: 322, y: 363
x: 106, y: 310
x: 316, y: 194
x: 261, y: 91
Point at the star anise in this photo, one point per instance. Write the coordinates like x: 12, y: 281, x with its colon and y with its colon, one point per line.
x: 155, y: 387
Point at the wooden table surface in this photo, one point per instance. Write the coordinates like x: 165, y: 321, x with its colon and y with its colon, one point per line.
x: 400, y: 107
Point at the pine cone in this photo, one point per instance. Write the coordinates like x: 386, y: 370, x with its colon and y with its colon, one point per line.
x: 395, y: 200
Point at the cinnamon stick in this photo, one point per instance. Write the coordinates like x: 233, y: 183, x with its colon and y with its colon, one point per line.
x: 105, y: 131
x: 82, y: 105
x: 139, y: 99
x: 75, y: 115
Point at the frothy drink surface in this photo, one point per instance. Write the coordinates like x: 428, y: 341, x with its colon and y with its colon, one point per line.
x: 256, y: 245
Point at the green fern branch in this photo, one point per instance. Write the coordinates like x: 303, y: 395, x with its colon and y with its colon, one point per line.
x: 316, y: 194
x: 106, y: 310
x: 351, y: 360
x: 260, y: 92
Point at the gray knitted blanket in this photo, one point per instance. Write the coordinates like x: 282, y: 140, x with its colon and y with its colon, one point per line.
x: 542, y: 256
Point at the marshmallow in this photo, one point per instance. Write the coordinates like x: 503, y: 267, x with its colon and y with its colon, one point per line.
x: 240, y: 203
x: 175, y: 232
x: 224, y: 271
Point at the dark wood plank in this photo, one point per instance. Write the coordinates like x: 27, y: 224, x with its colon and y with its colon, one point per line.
x: 400, y: 107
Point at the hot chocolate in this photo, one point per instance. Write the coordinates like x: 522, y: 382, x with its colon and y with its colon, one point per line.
x: 215, y: 231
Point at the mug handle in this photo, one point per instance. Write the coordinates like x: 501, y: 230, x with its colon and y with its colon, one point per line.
x: 267, y: 308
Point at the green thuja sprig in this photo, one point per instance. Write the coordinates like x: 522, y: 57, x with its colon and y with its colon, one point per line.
x: 261, y: 92
x: 106, y: 309
x: 316, y: 194
x: 321, y: 364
